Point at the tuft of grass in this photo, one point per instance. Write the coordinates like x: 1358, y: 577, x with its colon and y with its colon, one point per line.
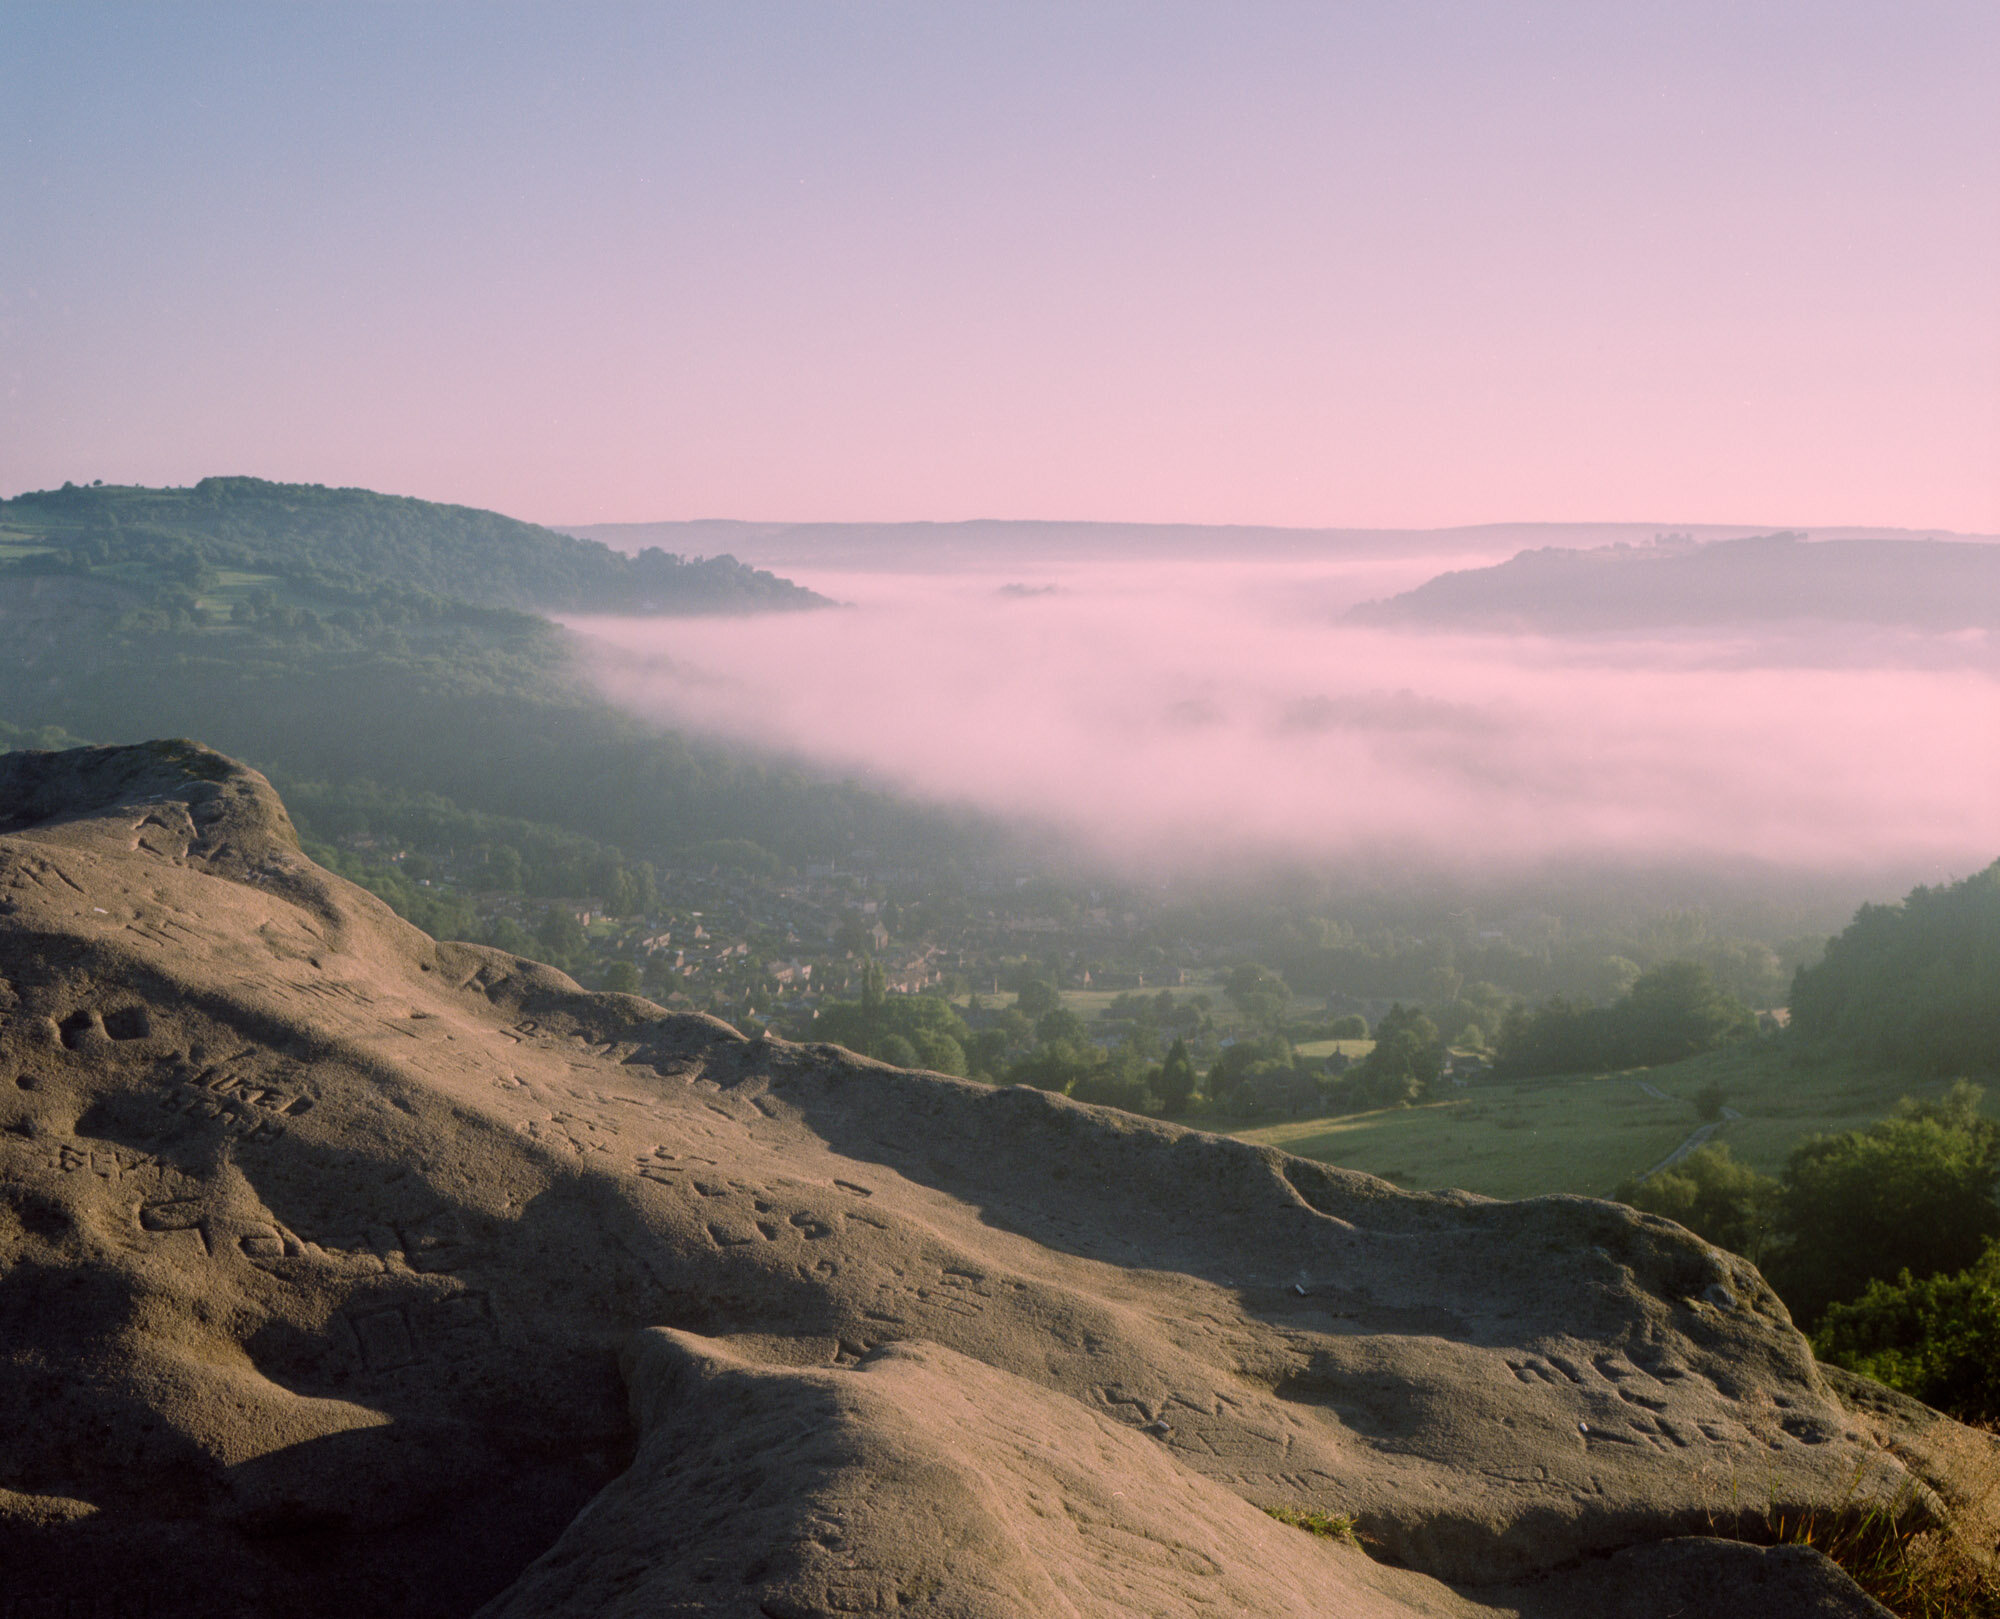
x: 1325, y: 1525
x: 1915, y: 1574
x: 1909, y: 1561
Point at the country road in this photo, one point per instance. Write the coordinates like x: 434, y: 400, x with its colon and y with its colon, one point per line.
x: 1695, y: 1138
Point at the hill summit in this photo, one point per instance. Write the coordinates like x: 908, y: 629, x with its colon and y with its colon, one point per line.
x: 335, y: 544
x: 342, y: 1271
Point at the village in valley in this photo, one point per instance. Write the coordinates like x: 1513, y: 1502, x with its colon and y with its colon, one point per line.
x: 1408, y: 1032
x: 1136, y: 966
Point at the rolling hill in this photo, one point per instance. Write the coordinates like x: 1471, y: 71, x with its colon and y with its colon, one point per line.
x: 1673, y: 583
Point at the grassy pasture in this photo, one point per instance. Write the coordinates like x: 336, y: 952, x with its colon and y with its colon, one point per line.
x: 1585, y: 1134
x: 1512, y: 1140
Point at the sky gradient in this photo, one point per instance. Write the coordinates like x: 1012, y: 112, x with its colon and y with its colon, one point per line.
x: 1369, y: 264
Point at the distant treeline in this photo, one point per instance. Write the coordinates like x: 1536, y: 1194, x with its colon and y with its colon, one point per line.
x: 1594, y: 958
x: 1671, y: 1013
x: 1913, y: 986
x: 1036, y: 1042
x: 340, y: 542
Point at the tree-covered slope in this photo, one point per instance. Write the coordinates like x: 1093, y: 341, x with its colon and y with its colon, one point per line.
x: 1915, y: 984
x: 1675, y: 583
x: 340, y: 637
x: 482, y: 706
x: 347, y: 541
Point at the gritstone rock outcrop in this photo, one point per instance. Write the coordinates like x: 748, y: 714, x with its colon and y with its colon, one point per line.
x: 344, y: 1272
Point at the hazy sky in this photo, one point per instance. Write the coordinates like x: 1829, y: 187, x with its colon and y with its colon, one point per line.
x: 1357, y: 263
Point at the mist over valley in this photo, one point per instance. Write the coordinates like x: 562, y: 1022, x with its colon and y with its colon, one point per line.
x: 1209, y: 700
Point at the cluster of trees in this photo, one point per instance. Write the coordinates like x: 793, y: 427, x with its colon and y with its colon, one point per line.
x: 1915, y: 985
x: 441, y: 915
x: 1167, y: 1052
x: 1671, y: 1013
x: 912, y: 1031
x: 557, y: 937
x: 1881, y: 1241
x: 1037, y: 1041
x: 1169, y: 1047
x: 1162, y: 1010
x: 1404, y: 1066
x: 1040, y: 1042
x: 1260, y: 994
x: 1239, y: 1066
x: 1579, y: 956
x: 1936, y: 1337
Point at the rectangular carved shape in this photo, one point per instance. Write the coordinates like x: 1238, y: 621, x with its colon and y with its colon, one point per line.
x: 384, y: 1336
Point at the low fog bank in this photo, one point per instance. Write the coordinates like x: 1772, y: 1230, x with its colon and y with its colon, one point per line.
x: 1226, y: 714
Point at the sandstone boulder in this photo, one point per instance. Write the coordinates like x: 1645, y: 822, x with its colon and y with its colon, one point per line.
x: 346, y: 1272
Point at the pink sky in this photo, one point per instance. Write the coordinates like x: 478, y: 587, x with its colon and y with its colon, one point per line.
x: 1374, y: 264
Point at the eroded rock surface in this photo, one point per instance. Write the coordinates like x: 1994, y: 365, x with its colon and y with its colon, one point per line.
x: 321, y: 1243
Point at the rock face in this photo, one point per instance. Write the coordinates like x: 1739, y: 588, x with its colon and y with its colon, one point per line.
x: 343, y: 1272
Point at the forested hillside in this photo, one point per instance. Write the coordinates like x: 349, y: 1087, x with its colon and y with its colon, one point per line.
x: 338, y: 636
x: 1915, y: 985
x: 343, y: 544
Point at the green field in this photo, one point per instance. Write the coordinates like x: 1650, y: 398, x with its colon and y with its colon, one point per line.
x: 1356, y: 1049
x: 1586, y: 1134
x: 1090, y: 1004
x: 233, y: 585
